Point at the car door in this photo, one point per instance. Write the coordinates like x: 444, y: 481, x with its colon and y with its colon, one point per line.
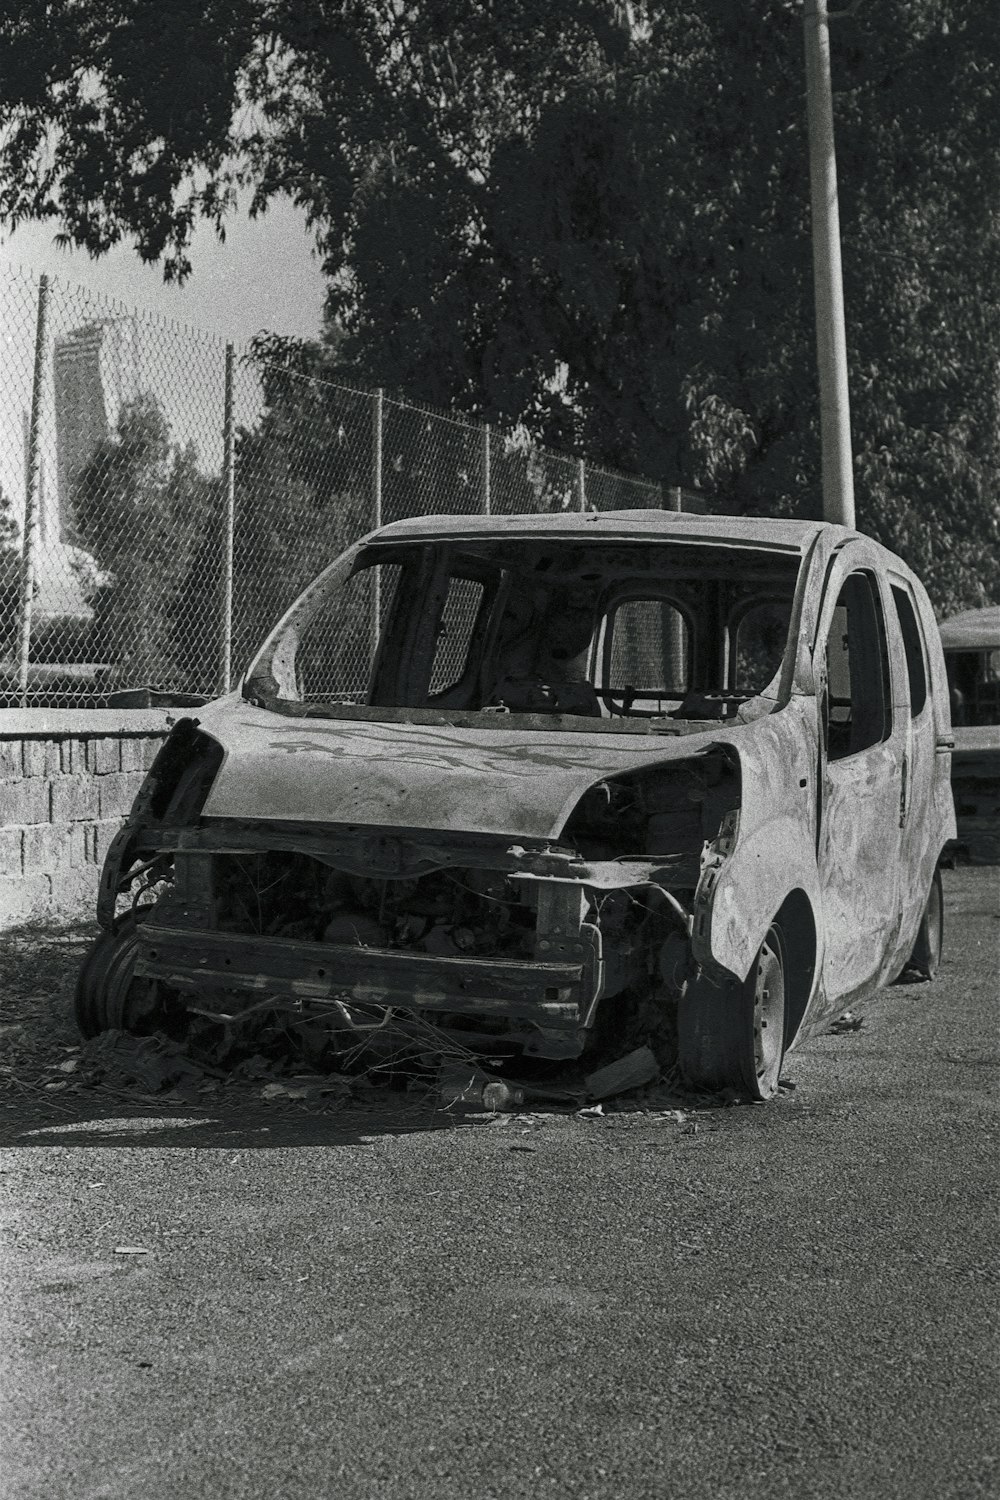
x: 919, y: 848
x: 863, y: 774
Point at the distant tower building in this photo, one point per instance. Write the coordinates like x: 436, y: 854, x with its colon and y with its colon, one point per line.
x: 95, y: 371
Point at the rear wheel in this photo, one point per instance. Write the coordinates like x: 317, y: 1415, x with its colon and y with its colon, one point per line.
x: 925, y: 959
x: 731, y: 1034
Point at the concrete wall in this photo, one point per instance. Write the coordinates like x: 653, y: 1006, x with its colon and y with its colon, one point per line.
x: 67, y: 780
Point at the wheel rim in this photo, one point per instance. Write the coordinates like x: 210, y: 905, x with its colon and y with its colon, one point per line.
x: 109, y: 996
x: 768, y: 1014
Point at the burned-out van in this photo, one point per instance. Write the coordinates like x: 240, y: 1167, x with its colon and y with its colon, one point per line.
x: 508, y: 775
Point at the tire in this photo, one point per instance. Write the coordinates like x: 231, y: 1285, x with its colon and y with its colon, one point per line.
x: 108, y: 997
x: 731, y: 1035
x: 925, y: 959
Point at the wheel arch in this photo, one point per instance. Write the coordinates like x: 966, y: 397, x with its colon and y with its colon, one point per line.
x: 799, y: 939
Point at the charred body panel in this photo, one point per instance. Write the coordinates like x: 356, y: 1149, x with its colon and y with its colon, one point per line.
x: 468, y: 926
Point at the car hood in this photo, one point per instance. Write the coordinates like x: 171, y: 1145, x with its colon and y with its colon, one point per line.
x: 398, y: 774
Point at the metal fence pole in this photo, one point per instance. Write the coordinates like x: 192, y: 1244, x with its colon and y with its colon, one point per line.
x: 581, y: 484
x: 229, y: 480
x: 828, y: 278
x: 486, y: 469
x: 376, y: 602
x: 31, y: 496
x: 671, y: 623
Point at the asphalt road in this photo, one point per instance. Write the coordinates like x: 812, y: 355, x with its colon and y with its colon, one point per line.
x: 795, y: 1299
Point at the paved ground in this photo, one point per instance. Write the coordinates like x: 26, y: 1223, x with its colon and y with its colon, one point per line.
x: 798, y: 1299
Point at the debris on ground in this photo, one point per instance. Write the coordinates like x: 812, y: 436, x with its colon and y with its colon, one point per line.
x: 633, y: 1071
x: 265, y: 1056
x: 470, y: 1085
x: 848, y: 1021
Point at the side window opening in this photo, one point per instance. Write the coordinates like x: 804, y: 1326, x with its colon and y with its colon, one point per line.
x: 757, y: 640
x: 913, y: 646
x: 974, y: 686
x: 647, y: 657
x: 453, y: 641
x: 337, y: 648
x: 858, y: 711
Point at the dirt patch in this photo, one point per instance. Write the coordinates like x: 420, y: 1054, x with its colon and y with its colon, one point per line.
x: 38, y: 967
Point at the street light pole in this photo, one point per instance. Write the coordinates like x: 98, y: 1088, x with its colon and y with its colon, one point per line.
x: 831, y: 338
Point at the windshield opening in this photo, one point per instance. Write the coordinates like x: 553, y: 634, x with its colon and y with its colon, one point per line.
x: 606, y: 629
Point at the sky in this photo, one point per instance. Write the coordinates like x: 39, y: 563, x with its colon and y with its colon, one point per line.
x: 264, y: 277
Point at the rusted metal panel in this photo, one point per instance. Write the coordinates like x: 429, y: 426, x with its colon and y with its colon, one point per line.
x: 625, y: 524
x: 549, y: 991
x: 389, y: 775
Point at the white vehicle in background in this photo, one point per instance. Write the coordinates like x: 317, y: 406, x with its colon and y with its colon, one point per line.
x: 971, y: 644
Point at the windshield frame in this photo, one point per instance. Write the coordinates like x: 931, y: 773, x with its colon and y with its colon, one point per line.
x: 269, y: 682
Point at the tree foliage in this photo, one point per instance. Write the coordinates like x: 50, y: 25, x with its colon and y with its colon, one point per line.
x: 10, y: 574
x: 587, y: 216
x: 143, y: 511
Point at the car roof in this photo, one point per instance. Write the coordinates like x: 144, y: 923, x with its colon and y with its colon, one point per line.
x: 972, y: 630
x: 622, y: 525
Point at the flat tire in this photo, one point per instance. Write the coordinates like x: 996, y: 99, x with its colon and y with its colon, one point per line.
x: 731, y: 1033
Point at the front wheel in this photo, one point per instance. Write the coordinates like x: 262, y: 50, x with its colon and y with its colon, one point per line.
x: 731, y: 1034
x: 109, y: 996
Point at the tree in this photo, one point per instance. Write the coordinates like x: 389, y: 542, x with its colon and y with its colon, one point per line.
x: 302, y: 484
x: 585, y: 216
x: 10, y: 574
x: 142, y: 508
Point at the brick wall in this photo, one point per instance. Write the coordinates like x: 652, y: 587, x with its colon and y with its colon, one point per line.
x: 67, y: 780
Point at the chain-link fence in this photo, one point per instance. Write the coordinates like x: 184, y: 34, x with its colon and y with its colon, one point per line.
x: 164, y: 496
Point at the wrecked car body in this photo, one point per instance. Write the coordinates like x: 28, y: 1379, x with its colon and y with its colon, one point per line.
x: 511, y: 777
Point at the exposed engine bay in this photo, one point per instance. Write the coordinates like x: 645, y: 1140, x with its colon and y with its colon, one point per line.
x: 514, y: 947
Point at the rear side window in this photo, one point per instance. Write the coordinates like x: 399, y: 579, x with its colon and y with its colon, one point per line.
x: 913, y: 645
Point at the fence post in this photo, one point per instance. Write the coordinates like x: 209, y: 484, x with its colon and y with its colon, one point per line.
x: 486, y: 469
x: 229, y: 480
x: 376, y: 600
x: 31, y: 495
x: 581, y: 484
x: 672, y: 624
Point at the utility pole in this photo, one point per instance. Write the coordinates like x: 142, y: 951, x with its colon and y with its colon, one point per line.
x: 831, y: 338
